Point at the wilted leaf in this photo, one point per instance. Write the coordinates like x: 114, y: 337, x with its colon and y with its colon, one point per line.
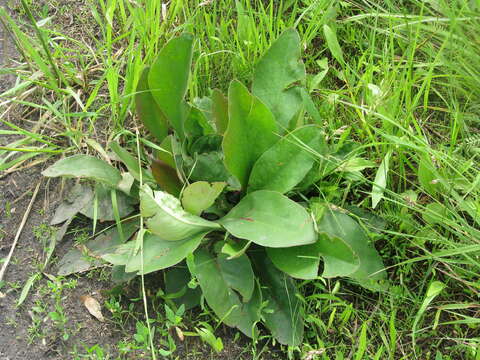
x: 104, y: 206
x: 168, y: 79
x: 251, y: 131
x: 270, y: 219
x: 167, y: 219
x: 85, y: 166
x: 78, y: 197
x: 93, y: 307
x: 147, y: 109
x: 287, y: 162
x: 88, y: 256
x: 275, y: 78
x: 200, y: 195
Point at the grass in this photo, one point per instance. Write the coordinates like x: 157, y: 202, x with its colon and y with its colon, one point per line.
x: 401, y: 78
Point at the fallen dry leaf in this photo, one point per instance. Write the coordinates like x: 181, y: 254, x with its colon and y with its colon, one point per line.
x: 92, y: 306
x: 179, y: 333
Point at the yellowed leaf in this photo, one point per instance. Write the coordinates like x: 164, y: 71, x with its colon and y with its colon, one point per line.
x: 92, y: 306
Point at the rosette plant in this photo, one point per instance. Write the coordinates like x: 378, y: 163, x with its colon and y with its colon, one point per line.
x: 228, y: 198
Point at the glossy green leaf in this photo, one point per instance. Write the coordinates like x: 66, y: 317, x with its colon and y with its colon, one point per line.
x: 286, y: 163
x: 166, y: 218
x: 300, y: 262
x: 160, y: 254
x: 220, y: 111
x: 166, y: 177
x: 270, y: 219
x: 147, y: 109
x: 85, y: 166
x: 200, y: 195
x: 380, y: 182
x: 335, y: 224
x: 220, y: 294
x: 276, y: 76
x: 251, y: 131
x: 168, y: 79
x: 283, y: 315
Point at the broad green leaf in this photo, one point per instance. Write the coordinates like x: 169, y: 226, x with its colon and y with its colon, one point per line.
x: 76, y: 260
x: 337, y: 225
x: 200, y: 195
x: 147, y: 109
x: 131, y: 163
x: 332, y: 43
x: 238, y: 274
x: 206, y: 144
x: 251, y: 131
x: 101, y: 206
x: 338, y: 257
x: 300, y: 262
x: 168, y: 79
x: 197, y: 125
x: 380, y: 182
x: 167, y: 155
x: 220, y: 294
x: 287, y: 162
x: 160, y: 254
x: 85, y: 166
x: 119, y: 275
x: 211, y: 167
x: 167, y: 219
x: 176, y: 287
x: 270, y: 219
x: 166, y: 177
x: 276, y: 76
x: 220, y: 111
x: 284, y: 309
